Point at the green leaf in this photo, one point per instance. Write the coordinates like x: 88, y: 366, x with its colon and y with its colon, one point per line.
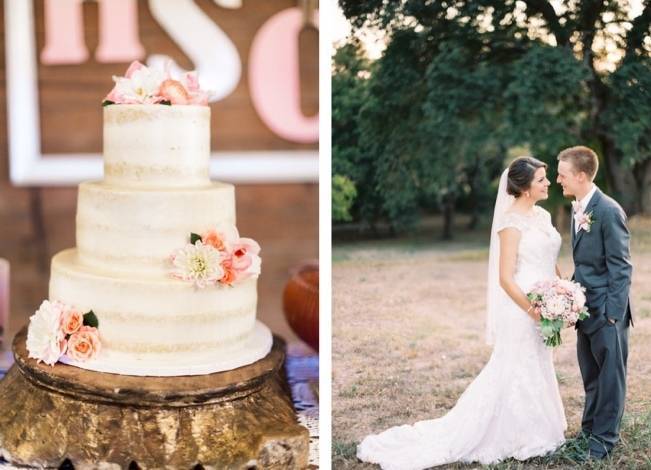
x: 90, y: 319
x: 194, y: 238
x: 166, y: 102
x: 107, y: 102
x: 547, y: 330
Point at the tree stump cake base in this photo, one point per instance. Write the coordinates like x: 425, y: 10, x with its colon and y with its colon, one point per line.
x: 241, y: 418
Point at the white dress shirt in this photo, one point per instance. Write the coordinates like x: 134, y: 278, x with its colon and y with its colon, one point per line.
x: 583, y: 204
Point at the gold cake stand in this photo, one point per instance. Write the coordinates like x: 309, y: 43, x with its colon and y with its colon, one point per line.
x: 242, y: 418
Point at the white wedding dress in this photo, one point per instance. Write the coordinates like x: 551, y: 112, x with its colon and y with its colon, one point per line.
x: 513, y: 407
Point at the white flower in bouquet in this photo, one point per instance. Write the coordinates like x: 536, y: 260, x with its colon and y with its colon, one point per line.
x: 579, y: 299
x: 555, y: 306
x: 45, y: 339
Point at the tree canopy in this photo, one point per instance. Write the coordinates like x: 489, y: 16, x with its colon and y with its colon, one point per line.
x: 429, y: 124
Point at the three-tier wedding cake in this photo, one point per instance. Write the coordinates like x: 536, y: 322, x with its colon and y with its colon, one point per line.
x: 160, y: 283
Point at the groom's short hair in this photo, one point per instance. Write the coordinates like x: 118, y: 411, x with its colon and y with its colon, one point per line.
x: 582, y: 159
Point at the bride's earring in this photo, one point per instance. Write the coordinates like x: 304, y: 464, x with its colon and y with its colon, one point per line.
x: 527, y: 194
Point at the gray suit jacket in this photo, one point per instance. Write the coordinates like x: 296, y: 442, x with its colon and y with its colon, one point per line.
x: 602, y: 263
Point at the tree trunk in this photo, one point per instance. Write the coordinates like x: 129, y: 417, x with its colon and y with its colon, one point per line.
x: 643, y: 177
x: 621, y: 180
x: 448, y: 219
x: 474, y: 218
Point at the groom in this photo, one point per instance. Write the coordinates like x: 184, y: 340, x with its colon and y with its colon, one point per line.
x: 600, y: 242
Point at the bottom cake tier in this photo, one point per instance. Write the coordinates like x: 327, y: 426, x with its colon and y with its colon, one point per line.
x: 252, y: 348
x: 159, y: 326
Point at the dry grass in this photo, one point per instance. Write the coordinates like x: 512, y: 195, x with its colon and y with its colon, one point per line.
x: 408, y: 339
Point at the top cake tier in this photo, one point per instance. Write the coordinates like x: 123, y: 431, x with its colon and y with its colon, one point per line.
x: 156, y: 146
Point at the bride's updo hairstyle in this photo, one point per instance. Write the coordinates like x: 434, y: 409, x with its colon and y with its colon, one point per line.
x: 520, y: 176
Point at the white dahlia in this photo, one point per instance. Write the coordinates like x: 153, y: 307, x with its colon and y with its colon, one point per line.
x: 198, y: 263
x: 45, y: 339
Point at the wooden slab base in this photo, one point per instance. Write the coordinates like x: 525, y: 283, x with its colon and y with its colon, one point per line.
x: 241, y: 418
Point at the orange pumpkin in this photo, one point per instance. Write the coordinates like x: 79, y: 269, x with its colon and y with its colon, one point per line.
x: 301, y: 303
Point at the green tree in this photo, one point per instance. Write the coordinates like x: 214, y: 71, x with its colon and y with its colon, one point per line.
x: 562, y: 90
x: 349, y: 93
x: 343, y: 196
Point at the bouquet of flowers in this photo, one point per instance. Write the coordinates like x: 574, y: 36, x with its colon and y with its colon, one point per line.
x: 561, y: 303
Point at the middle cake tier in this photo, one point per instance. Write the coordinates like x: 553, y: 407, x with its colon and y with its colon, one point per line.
x: 135, y: 231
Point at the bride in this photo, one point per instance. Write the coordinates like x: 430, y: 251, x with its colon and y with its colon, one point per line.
x: 513, y: 407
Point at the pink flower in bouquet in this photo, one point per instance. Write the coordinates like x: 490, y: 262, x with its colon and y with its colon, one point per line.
x: 45, y: 339
x: 555, y: 306
x: 579, y: 298
x: 561, y: 303
x: 71, y: 322
x: 84, y: 344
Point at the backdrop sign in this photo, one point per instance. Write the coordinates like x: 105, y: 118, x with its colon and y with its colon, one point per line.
x: 264, y: 128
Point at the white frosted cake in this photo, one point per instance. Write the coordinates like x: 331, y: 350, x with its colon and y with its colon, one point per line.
x: 156, y: 192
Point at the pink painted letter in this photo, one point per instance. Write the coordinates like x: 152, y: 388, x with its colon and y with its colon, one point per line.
x: 274, y: 78
x: 64, y: 32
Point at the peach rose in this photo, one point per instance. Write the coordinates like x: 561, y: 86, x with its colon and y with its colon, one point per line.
x: 174, y: 91
x: 71, y: 321
x: 84, y: 344
x: 214, y: 239
x: 230, y: 273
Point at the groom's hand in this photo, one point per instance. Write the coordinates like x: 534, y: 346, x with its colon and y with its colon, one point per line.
x: 612, y: 321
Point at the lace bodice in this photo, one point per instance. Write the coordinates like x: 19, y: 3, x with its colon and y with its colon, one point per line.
x: 539, y: 246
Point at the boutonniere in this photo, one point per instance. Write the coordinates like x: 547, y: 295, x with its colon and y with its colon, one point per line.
x: 585, y: 221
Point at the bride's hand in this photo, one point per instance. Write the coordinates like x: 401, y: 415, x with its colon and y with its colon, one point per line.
x: 535, y: 314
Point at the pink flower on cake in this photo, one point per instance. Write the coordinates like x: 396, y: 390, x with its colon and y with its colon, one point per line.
x: 214, y: 239
x: 241, y: 262
x: 174, y: 92
x: 140, y: 86
x: 238, y: 258
x: 222, y: 238
x: 246, y: 259
x: 150, y: 85
x: 71, y: 321
x: 191, y: 83
x: 45, y: 340
x: 198, y: 263
x: 84, y: 344
x: 230, y: 275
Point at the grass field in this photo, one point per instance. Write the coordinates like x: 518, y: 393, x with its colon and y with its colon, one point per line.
x: 408, y: 338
